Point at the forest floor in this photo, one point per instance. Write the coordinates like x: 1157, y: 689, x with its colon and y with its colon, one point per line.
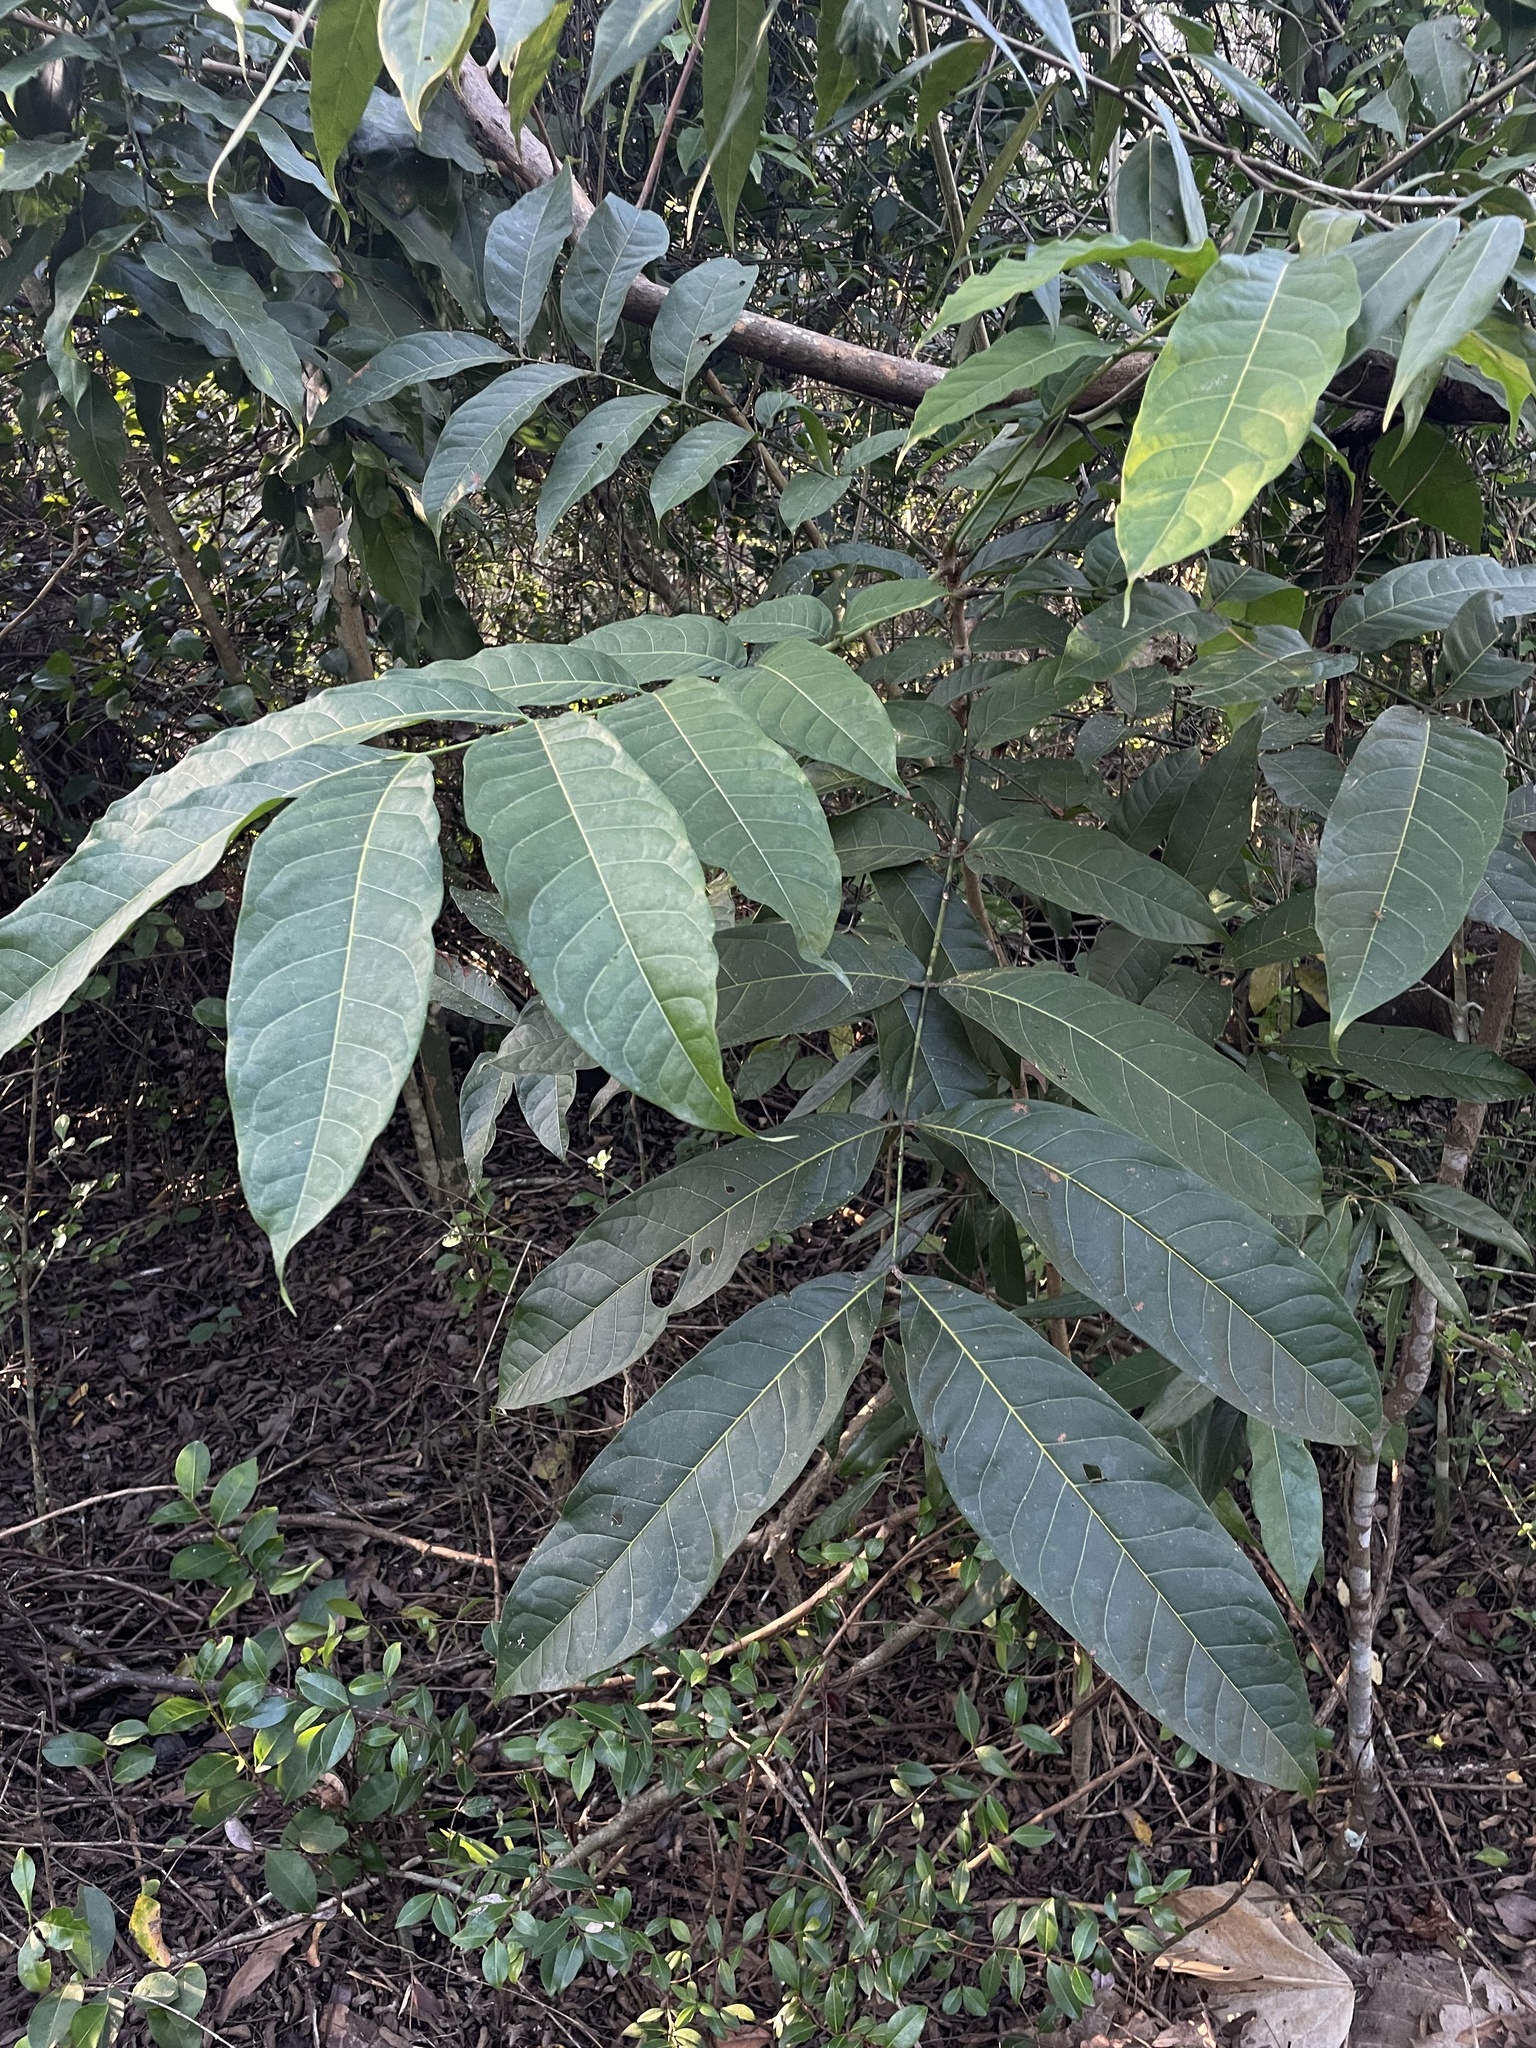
x: 370, y: 1407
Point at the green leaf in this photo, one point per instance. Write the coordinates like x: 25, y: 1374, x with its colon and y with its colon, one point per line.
x: 745, y: 803
x: 1406, y: 844
x: 927, y: 1061
x: 605, y: 900
x: 627, y: 31
x: 1013, y: 276
x: 893, y: 599
x: 1019, y: 361
x: 1191, y: 1271
x: 1211, y: 827
x: 1092, y: 871
x: 328, y: 987
x: 1016, y: 704
x: 589, y: 455
x: 1390, y: 270
x: 232, y: 300
x: 591, y: 1312
x: 24, y: 164
x: 698, y: 313
x: 767, y: 986
x: 415, y: 359
x: 881, y: 836
x: 1462, y: 288
x: 783, y: 618
x: 1273, y: 664
x: 284, y: 234
x: 344, y: 64
x: 1506, y: 896
x: 72, y: 285
x: 1284, y: 932
x: 1425, y: 597
x: 1098, y: 1523
x: 950, y: 72
x: 1150, y: 1077
x: 656, y: 649
x: 125, y: 866
x: 691, y: 462
x: 420, y: 40
x: 1255, y: 102
x: 1464, y: 1212
x: 97, y: 442
x: 1149, y: 806
x: 291, y: 1880
x: 935, y: 924
x: 1306, y: 778
x: 1408, y: 1062
x: 1440, y: 65
x: 476, y: 437
x: 655, y: 1515
x: 520, y: 250
x: 536, y: 52
x: 1287, y: 1498
x: 1432, y: 482
x: 512, y: 23
x: 1230, y: 400
x: 615, y: 246
x: 815, y: 705
x: 1426, y: 1262
x: 230, y: 1497
x: 1053, y: 18
x: 73, y: 1751
x: 735, y: 97
x: 811, y: 495
x: 1109, y: 639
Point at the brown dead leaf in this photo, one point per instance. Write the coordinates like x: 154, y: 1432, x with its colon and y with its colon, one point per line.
x: 1517, y: 1912
x: 144, y: 1926
x: 258, y: 1966
x: 1495, y: 2015
x: 1256, y: 1959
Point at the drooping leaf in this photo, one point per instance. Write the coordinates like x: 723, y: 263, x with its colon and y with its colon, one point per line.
x: 815, y: 705
x: 1108, y: 639
x: 128, y: 862
x: 590, y: 453
x: 1155, y: 1080
x: 656, y: 649
x: 1406, y: 844
x: 1094, y: 872
x: 1020, y: 360
x: 615, y: 246
x: 476, y: 436
x: 537, y: 47
x: 468, y: 991
x: 1391, y: 270
x: 767, y: 986
x: 1098, y: 1522
x: 691, y: 462
x: 1255, y: 102
x: 700, y: 310
x: 1440, y: 65
x: 1212, y: 824
x: 951, y: 71
x: 344, y: 64
x: 927, y: 1061
x: 1464, y: 1212
x: 746, y: 803
x: 627, y: 31
x: 98, y: 442
x: 654, y: 1517
x: 520, y: 250
x: 934, y: 920
x: 1461, y: 290
x: 605, y: 900
x: 232, y: 300
x: 735, y: 97
x: 1053, y: 18
x: 513, y: 22
x: 1470, y: 664
x: 1424, y: 597
x: 591, y: 1312
x: 1230, y: 400
x: 1431, y: 481
x: 1426, y: 1261
x: 1410, y: 1062
x: 1193, y: 1272
x: 419, y: 41
x: 1287, y: 1498
x: 414, y: 359
x: 328, y: 987
x: 284, y: 234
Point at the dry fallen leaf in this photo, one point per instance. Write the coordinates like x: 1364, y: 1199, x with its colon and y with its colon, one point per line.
x: 1517, y: 1913
x: 1257, y: 1959
x: 144, y: 1926
x: 258, y: 1966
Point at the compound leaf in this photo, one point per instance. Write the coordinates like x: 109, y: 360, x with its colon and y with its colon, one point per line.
x: 476, y: 436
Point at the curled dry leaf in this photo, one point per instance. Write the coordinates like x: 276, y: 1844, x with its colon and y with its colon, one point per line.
x: 1256, y: 1959
x: 258, y: 1966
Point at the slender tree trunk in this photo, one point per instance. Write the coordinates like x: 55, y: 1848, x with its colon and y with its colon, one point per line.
x: 174, y: 541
